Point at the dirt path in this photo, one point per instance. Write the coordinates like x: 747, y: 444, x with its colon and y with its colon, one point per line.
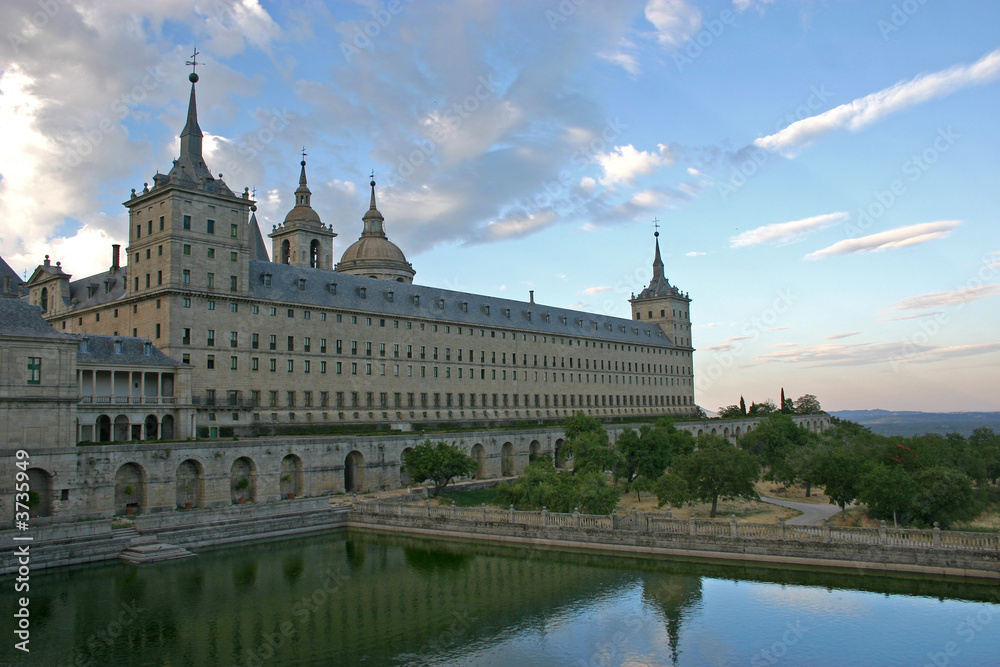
x: 812, y: 514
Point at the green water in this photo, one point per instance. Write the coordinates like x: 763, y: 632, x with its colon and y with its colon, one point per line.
x: 358, y: 598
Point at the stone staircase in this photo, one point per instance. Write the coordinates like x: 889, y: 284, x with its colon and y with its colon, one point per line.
x: 149, y: 549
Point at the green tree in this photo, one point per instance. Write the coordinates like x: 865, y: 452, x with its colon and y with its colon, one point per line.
x: 743, y: 406
x: 839, y: 471
x: 717, y: 470
x: 541, y: 485
x: 438, y: 462
x: 772, y: 441
x: 942, y: 495
x: 887, y: 491
x: 807, y: 405
x: 731, y: 412
x: 671, y: 489
x: 761, y: 409
x: 985, y: 444
x: 641, y: 457
x: 587, y: 443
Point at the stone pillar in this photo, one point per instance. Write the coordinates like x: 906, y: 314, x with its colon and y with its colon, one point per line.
x: 692, y: 526
x: 512, y: 514
x: 882, y: 533
x: 937, y: 534
x: 484, y: 511
x: 545, y: 516
x: 576, y: 516
x: 733, y: 528
x: 781, y: 529
x: 826, y: 530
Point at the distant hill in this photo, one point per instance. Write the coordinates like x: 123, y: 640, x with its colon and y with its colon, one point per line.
x: 888, y: 422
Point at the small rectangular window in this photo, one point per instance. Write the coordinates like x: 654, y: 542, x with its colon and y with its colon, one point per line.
x: 187, y: 222
x: 187, y: 249
x: 210, y: 226
x: 234, y: 230
x: 34, y: 370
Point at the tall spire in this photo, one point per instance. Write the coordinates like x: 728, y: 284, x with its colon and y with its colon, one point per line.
x: 191, y: 136
x: 657, y: 262
x: 373, y: 219
x: 302, y: 194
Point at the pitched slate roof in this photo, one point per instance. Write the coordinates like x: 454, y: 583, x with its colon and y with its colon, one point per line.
x: 20, y: 318
x: 371, y: 296
x: 101, y: 349
x: 15, y: 280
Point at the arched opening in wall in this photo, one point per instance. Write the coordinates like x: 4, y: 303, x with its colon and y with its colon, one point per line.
x: 290, y: 484
x: 121, y: 428
x: 507, y: 459
x: 737, y: 432
x: 243, y: 481
x: 375, y: 277
x: 479, y: 456
x: 130, y: 489
x: 167, y: 427
x: 714, y: 432
x: 400, y: 280
x: 404, y: 479
x: 314, y: 254
x: 354, y: 472
x: 103, y: 428
x: 151, y: 428
x: 286, y: 252
x: 45, y: 300
x: 534, y: 450
x: 40, y: 493
x: 559, y: 444
x: 725, y: 432
x: 190, y: 490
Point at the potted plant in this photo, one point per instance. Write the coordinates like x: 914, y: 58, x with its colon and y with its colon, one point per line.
x: 287, y: 479
x: 129, y: 507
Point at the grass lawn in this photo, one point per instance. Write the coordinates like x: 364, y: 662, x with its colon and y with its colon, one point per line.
x: 746, y: 511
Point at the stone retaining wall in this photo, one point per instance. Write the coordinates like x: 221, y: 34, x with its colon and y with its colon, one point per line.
x: 970, y: 563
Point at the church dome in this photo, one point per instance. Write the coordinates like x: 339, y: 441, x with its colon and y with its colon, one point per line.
x: 373, y: 254
x: 306, y: 214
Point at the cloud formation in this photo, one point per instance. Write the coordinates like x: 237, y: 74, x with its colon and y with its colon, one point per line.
x: 783, y: 233
x: 864, y: 111
x: 956, y: 297
x: 676, y: 21
x: 900, y: 237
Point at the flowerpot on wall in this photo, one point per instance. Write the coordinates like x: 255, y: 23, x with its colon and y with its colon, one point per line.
x: 289, y: 495
x: 129, y: 511
x: 188, y: 505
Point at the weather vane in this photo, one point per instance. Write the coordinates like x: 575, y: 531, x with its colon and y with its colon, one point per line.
x: 253, y: 193
x: 656, y: 226
x: 193, y: 76
x: 304, y: 154
x: 373, y: 175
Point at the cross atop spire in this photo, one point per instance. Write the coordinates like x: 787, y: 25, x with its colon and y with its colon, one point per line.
x: 193, y: 63
x: 656, y: 226
x: 304, y: 154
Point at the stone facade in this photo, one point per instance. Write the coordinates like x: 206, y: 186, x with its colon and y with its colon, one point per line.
x: 100, y: 481
x: 294, y: 341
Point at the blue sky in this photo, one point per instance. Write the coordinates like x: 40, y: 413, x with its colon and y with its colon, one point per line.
x: 824, y: 173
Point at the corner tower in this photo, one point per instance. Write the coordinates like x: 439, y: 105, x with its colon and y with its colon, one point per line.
x: 374, y: 255
x: 665, y: 305
x: 302, y: 239
x: 188, y: 231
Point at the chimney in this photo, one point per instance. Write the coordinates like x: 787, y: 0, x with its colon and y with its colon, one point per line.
x: 115, y: 256
x: 531, y: 296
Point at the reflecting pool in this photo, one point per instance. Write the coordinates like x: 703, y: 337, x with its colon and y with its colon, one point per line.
x: 361, y: 598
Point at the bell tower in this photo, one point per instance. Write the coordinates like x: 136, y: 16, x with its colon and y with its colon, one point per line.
x: 302, y: 239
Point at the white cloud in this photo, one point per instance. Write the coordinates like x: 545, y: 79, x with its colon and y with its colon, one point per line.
x: 624, y: 60
x: 579, y: 305
x: 950, y: 298
x: 596, y: 290
x: 624, y: 163
x: 901, y: 237
x: 842, y: 335
x: 675, y: 21
x: 695, y: 253
x: 743, y: 5
x: 782, y: 233
x: 872, y: 108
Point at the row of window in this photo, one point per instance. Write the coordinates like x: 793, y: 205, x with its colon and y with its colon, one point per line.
x: 371, y: 399
x: 234, y: 229
x: 435, y: 354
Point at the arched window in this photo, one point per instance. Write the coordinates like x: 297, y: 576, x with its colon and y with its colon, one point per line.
x: 314, y: 254
x: 286, y: 252
x: 45, y: 300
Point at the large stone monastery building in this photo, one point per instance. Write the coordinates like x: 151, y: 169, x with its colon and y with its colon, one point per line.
x: 299, y: 340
